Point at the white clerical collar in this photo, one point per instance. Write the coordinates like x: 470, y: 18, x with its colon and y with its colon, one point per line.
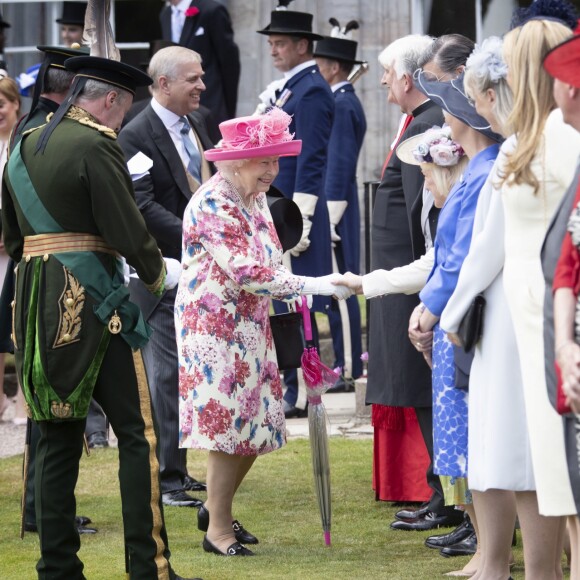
x: 168, y: 118
x: 337, y: 86
x: 289, y: 74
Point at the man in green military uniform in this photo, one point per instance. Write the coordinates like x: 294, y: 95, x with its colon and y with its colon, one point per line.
x: 68, y: 215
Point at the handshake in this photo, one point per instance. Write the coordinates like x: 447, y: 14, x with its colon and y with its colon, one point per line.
x: 329, y: 285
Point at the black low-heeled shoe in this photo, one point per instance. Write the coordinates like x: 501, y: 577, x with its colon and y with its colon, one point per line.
x: 242, y: 535
x: 235, y: 549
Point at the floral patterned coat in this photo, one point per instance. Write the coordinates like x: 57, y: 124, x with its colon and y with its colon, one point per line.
x: 230, y: 394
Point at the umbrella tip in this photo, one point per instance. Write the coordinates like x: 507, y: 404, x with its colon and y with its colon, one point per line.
x: 327, y: 538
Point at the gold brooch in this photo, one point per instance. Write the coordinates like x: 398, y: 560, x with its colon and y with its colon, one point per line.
x: 60, y: 410
x: 115, y: 324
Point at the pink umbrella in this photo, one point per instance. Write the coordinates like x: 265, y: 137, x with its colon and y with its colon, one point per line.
x: 318, y: 378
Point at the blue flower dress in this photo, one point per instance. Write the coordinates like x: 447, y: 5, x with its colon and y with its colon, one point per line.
x: 450, y: 404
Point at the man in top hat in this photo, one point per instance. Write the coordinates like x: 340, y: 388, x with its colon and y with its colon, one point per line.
x: 335, y: 57
x: 563, y: 63
x: 72, y: 22
x: 169, y: 136
x: 306, y: 96
x: 67, y: 207
x: 205, y: 27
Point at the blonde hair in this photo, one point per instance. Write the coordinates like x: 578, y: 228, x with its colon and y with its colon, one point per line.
x: 446, y: 177
x: 9, y: 88
x: 524, y: 49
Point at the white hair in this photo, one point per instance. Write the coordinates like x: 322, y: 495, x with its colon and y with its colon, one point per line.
x: 404, y: 53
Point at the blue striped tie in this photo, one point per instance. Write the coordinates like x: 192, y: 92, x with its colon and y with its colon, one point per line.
x: 194, y: 165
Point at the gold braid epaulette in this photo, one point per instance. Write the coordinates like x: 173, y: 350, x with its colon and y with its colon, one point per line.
x: 85, y: 118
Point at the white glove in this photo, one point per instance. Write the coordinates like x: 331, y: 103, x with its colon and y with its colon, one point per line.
x: 323, y: 286
x: 295, y: 305
x: 174, y: 269
x: 336, y: 210
x: 334, y: 237
x: 126, y: 271
x: 304, y: 242
x: 306, y: 203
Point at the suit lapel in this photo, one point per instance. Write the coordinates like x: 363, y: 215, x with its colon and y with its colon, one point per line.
x: 167, y: 150
x: 189, y: 27
x: 165, y: 19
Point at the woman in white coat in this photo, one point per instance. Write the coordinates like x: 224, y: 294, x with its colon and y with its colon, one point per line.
x: 498, y: 446
x: 533, y: 177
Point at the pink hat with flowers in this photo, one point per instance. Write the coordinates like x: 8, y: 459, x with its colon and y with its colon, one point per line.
x: 256, y: 136
x: 433, y: 146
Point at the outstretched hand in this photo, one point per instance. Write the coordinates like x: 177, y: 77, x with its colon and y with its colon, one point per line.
x: 352, y: 281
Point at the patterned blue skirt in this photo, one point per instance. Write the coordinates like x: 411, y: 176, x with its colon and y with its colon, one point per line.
x: 449, y: 412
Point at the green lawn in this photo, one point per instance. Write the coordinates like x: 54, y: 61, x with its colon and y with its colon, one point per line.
x: 276, y: 503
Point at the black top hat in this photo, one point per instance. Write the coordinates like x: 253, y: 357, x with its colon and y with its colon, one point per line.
x: 341, y: 49
x: 3, y: 23
x: 73, y: 13
x: 291, y: 23
x: 286, y: 217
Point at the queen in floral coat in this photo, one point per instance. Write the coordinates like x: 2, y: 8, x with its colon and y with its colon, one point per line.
x: 229, y: 384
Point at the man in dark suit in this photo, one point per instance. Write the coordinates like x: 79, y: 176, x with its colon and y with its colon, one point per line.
x: 205, y: 27
x: 335, y: 58
x: 397, y: 374
x: 305, y: 96
x: 164, y: 146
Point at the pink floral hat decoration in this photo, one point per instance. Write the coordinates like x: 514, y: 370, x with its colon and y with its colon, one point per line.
x: 256, y: 136
x: 433, y: 146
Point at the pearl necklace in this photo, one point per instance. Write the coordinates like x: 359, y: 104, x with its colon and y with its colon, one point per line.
x: 248, y: 207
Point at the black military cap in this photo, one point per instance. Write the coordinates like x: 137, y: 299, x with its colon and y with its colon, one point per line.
x: 109, y: 71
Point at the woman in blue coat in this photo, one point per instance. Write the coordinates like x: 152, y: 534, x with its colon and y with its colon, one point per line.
x: 451, y: 245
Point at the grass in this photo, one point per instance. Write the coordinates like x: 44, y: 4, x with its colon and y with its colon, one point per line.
x: 276, y: 502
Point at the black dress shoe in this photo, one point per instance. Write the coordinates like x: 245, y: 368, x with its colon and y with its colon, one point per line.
x: 290, y: 411
x: 81, y: 529
x: 180, y: 499
x: 457, y: 535
x: 342, y: 386
x: 190, y: 484
x: 86, y: 530
x: 83, y: 520
x: 97, y: 440
x: 242, y: 535
x: 413, y: 514
x: 430, y: 521
x: 467, y: 547
x: 235, y: 549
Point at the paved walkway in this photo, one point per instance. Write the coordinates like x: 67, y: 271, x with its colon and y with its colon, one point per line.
x: 340, y: 408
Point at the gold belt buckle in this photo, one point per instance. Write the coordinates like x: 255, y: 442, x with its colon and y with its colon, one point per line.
x: 115, y: 324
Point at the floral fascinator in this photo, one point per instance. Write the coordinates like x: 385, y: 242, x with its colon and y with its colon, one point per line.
x: 256, y: 136
x: 486, y: 60
x: 434, y: 146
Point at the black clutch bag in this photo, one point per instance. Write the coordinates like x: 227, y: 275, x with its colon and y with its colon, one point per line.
x: 288, y: 335
x: 471, y: 327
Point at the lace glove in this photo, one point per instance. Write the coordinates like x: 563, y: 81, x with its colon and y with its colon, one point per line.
x: 336, y: 210
x: 173, y: 268
x: 306, y: 203
x: 323, y: 286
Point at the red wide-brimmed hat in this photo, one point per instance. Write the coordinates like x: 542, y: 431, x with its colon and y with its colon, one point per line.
x: 256, y: 136
x: 563, y: 61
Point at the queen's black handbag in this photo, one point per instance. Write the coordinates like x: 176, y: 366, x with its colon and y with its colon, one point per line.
x: 471, y: 327
x: 288, y: 335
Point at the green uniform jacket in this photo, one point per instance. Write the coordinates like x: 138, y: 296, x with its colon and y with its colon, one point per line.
x: 83, y: 182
